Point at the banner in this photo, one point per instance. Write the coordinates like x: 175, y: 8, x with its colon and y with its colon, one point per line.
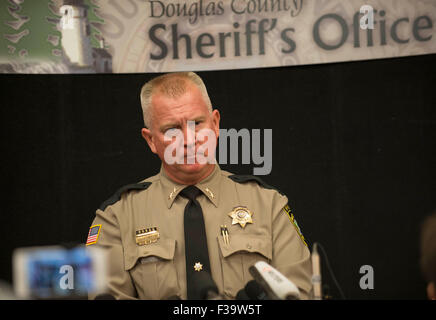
x: 142, y: 36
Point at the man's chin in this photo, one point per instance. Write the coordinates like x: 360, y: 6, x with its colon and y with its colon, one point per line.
x: 192, y: 167
x: 188, y: 170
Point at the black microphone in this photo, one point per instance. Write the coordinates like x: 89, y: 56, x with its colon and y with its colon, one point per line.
x: 204, y: 287
x: 242, y: 295
x: 255, y: 291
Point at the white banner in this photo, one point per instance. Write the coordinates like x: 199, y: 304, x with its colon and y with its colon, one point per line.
x: 137, y: 36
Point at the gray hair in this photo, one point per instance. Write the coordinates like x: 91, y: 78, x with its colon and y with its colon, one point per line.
x: 172, y: 85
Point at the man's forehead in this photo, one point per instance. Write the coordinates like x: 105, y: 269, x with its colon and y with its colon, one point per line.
x: 171, y: 111
x: 173, y: 87
x: 191, y: 98
x: 175, y: 117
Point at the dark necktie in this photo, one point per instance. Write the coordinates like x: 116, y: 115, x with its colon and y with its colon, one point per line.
x: 197, y: 255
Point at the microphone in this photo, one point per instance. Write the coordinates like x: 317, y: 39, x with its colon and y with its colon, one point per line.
x: 242, y: 295
x: 316, y: 273
x: 276, y: 285
x: 252, y: 291
x: 255, y: 291
x: 205, y: 288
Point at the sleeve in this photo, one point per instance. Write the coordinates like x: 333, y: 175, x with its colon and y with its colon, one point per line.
x: 120, y: 284
x: 291, y: 255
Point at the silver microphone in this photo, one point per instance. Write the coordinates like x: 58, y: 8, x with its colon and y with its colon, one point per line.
x: 276, y: 285
x: 316, y: 273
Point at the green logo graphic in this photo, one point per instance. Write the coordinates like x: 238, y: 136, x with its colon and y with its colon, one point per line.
x: 33, y: 32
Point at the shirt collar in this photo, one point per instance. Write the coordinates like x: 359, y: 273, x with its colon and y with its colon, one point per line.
x: 210, y: 187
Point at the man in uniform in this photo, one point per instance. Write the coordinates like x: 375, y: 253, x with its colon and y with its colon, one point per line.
x: 192, y: 216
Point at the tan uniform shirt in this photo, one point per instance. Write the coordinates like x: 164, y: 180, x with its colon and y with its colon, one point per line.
x: 158, y: 271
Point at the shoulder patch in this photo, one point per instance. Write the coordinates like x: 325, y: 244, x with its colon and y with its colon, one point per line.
x: 94, y: 232
x: 288, y: 211
x: 241, y: 178
x: 117, y: 195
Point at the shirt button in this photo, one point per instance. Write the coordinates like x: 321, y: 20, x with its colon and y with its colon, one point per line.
x: 248, y: 246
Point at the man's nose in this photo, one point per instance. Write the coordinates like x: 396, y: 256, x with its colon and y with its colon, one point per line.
x: 189, y: 134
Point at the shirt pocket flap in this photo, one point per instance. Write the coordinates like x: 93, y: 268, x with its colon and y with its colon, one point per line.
x: 162, y: 249
x: 248, y: 243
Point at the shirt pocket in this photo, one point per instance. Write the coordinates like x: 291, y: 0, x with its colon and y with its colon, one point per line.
x: 152, y: 269
x: 238, y: 256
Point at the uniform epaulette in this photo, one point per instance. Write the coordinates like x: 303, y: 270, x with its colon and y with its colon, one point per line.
x: 242, y: 178
x: 117, y: 195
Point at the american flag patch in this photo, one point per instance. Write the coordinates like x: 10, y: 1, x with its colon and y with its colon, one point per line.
x: 93, y: 233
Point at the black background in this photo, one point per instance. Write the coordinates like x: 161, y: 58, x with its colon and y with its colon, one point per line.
x: 353, y: 148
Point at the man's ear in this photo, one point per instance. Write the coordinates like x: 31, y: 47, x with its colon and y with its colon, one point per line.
x: 148, y: 136
x: 216, y: 121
